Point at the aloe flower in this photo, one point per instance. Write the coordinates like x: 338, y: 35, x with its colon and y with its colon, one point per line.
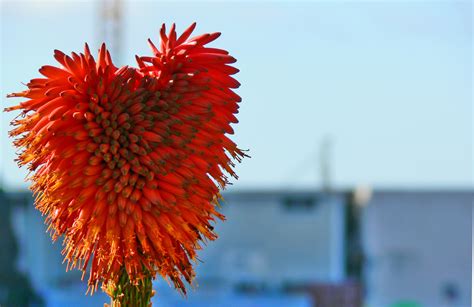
x: 127, y: 163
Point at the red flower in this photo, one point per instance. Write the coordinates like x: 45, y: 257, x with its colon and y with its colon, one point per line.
x: 127, y: 163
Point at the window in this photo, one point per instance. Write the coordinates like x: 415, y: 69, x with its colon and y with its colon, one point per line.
x: 300, y: 203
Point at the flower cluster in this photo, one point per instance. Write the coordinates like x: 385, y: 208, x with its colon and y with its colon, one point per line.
x: 126, y: 163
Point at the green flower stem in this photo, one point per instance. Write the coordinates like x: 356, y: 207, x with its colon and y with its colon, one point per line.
x: 124, y: 293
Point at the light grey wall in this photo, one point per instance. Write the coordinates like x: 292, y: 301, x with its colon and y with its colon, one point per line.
x: 264, y: 241
x: 416, y: 243
x: 39, y: 256
x: 261, y: 241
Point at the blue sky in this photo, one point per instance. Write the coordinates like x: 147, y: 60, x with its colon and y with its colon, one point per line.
x: 390, y: 82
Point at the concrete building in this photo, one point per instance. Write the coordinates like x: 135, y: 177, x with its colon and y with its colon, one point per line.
x: 278, y: 238
x: 418, y: 248
x: 416, y: 252
x: 271, y: 240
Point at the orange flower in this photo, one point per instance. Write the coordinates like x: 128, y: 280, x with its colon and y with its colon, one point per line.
x: 127, y: 163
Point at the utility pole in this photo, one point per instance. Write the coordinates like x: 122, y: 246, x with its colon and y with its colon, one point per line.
x: 325, y: 152
x: 110, y: 24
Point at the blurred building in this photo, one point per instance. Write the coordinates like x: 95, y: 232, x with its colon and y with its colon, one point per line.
x: 297, y: 248
x: 273, y: 246
x: 290, y: 244
x: 418, y: 248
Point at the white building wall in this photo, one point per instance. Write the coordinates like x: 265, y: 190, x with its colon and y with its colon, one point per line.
x: 41, y: 260
x: 263, y: 241
x: 416, y: 244
x: 268, y: 242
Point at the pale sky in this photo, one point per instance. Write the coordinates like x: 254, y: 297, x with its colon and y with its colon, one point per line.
x: 389, y: 81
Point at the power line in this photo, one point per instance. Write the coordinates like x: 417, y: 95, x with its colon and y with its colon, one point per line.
x: 318, y: 161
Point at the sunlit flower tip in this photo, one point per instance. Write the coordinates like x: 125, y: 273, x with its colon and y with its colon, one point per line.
x: 127, y: 163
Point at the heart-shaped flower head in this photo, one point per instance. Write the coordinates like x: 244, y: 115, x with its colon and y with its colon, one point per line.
x: 127, y: 163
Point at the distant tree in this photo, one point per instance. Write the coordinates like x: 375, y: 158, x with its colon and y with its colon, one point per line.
x: 15, y: 287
